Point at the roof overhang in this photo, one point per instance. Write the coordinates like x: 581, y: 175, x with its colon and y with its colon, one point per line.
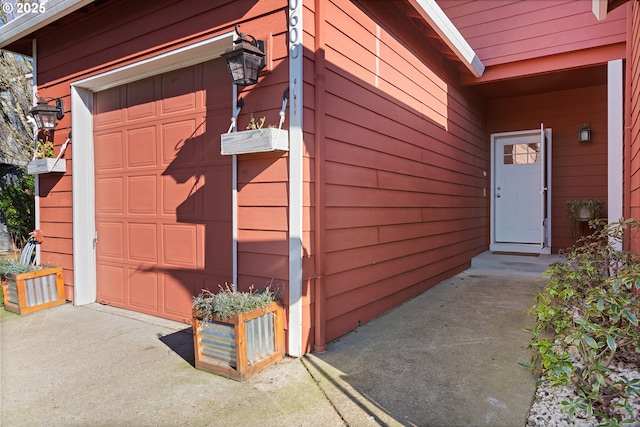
x: 442, y: 25
x: 27, y: 23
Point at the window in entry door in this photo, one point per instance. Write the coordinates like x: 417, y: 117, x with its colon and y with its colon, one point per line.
x: 521, y: 154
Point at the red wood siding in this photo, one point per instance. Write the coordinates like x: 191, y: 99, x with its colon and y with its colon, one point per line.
x: 634, y: 118
x: 505, y: 31
x: 110, y: 36
x: 403, y: 168
x: 56, y: 216
x: 579, y: 170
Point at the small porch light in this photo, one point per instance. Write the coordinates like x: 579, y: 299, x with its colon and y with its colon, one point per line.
x: 245, y: 59
x: 584, y: 133
x: 46, y: 115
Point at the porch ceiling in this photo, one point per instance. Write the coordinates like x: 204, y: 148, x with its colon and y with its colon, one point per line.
x: 548, y: 82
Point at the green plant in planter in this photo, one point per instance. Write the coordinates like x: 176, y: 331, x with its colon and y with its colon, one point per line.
x: 587, y: 323
x: 9, y: 267
x: 228, y: 302
x: 236, y: 334
x: 44, y: 149
x: 255, y: 124
x: 586, y: 209
x: 582, y: 211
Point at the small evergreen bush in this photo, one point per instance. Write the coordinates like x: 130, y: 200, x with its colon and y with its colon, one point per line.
x: 9, y: 267
x: 228, y: 302
x: 587, y: 322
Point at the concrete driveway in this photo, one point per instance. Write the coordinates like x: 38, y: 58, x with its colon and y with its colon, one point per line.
x: 448, y: 357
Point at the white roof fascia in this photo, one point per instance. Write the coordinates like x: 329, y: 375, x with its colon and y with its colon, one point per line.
x: 27, y: 23
x: 599, y: 8
x: 440, y: 22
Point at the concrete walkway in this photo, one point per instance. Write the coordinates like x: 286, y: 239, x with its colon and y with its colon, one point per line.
x: 446, y: 358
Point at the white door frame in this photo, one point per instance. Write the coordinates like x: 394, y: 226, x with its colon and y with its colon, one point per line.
x: 545, y: 226
x: 84, y: 217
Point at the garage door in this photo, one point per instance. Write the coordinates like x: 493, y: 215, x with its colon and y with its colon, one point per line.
x: 163, y: 191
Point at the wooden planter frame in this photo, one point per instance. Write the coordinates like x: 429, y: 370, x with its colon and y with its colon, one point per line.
x: 46, y: 165
x: 35, y: 290
x: 254, y: 141
x: 222, y: 346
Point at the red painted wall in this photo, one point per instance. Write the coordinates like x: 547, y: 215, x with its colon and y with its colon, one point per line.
x: 110, y: 36
x: 404, y: 156
x: 579, y: 170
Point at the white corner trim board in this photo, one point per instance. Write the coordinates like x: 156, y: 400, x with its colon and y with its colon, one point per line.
x: 296, y: 146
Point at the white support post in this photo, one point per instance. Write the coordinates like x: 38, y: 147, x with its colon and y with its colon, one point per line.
x: 295, y: 177
x: 615, y: 102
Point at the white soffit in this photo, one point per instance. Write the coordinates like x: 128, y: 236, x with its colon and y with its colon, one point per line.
x: 440, y: 22
x: 27, y: 23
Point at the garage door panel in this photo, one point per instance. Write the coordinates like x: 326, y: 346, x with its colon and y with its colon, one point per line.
x: 141, y: 147
x: 109, y: 195
x: 180, y: 195
x: 141, y: 99
x: 143, y: 290
x: 112, y: 280
x: 141, y: 194
x: 108, y: 108
x: 178, y: 91
x: 143, y: 242
x: 108, y: 151
x: 179, y: 245
x: 178, y: 288
x: 180, y: 143
x: 111, y: 238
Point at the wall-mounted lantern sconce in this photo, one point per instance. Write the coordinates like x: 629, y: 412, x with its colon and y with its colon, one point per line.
x: 584, y: 133
x: 245, y: 59
x: 46, y: 115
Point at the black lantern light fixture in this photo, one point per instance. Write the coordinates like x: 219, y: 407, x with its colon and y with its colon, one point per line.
x: 46, y: 115
x: 584, y: 133
x: 245, y: 59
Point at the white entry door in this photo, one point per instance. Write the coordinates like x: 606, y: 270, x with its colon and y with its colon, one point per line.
x: 519, y: 201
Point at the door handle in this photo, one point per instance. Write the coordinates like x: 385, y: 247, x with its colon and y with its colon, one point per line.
x: 498, y: 195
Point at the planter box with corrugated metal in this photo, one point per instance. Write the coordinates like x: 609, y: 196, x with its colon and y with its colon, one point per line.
x: 254, y: 141
x: 241, y: 345
x: 34, y: 290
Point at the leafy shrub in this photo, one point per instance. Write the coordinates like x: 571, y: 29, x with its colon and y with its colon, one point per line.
x: 228, y: 302
x: 17, y: 207
x: 587, y: 322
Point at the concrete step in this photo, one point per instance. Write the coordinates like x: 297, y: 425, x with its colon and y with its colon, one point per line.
x: 513, y: 264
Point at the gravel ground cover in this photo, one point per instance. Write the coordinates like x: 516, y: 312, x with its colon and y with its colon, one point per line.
x: 547, y: 407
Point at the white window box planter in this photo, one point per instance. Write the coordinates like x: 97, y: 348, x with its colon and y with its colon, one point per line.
x: 254, y: 141
x: 46, y: 165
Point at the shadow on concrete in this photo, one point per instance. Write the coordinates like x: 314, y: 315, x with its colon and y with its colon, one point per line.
x: 181, y: 343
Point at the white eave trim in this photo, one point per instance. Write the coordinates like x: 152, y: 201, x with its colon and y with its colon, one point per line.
x: 27, y: 23
x: 599, y: 9
x: 440, y: 22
